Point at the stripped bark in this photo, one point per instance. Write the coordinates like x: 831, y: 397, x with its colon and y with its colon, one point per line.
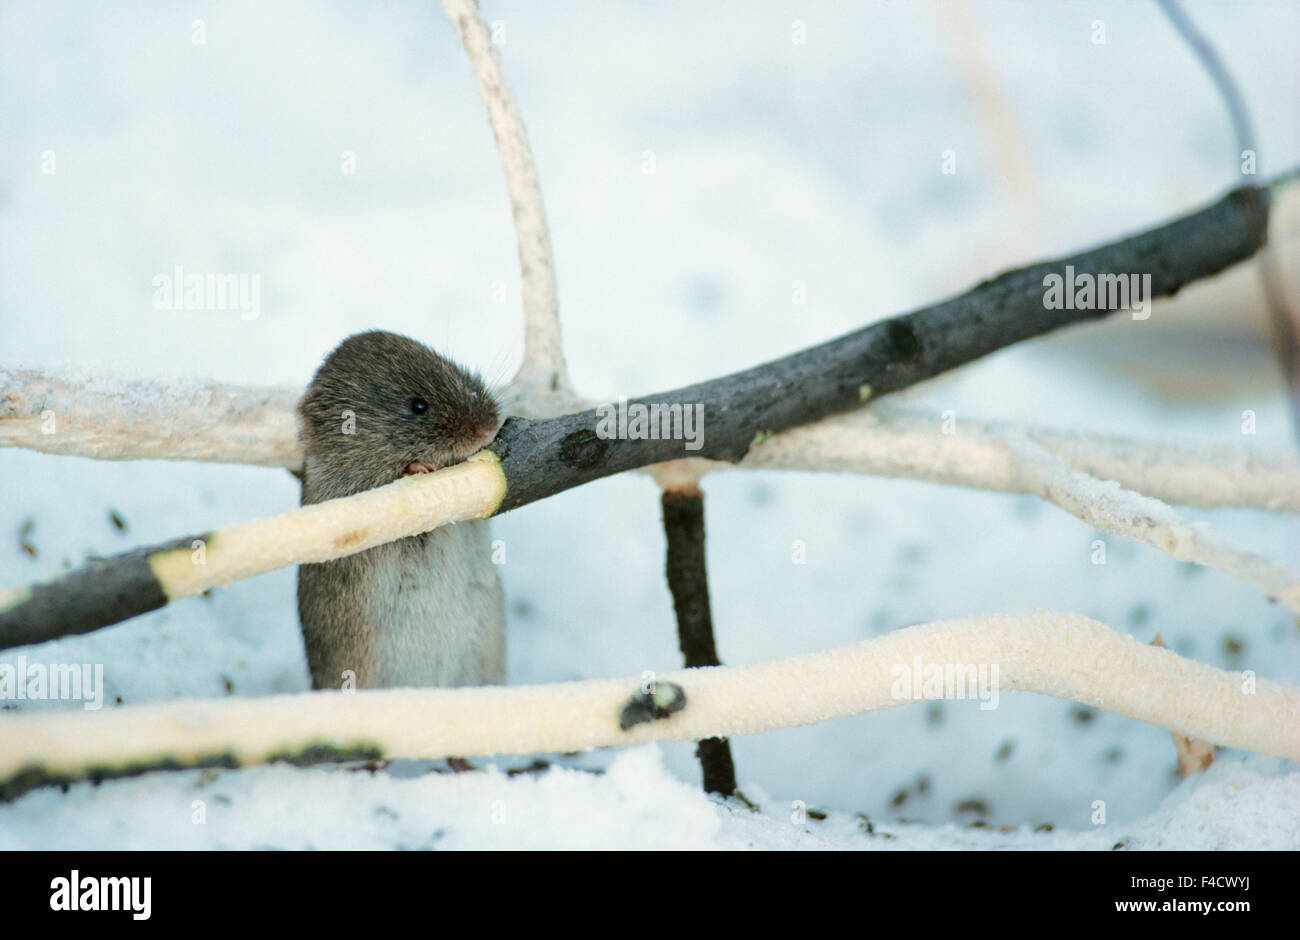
x: 1063, y: 655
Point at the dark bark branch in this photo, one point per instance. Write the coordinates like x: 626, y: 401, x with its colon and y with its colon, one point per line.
x: 688, y: 577
x: 688, y: 580
x: 542, y: 458
x: 102, y: 592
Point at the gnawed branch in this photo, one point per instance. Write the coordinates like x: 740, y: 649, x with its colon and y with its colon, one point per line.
x: 112, y: 589
x: 1063, y: 655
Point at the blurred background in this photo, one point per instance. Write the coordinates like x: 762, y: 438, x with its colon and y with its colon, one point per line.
x: 700, y: 162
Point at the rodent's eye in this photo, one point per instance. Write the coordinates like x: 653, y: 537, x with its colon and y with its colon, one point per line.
x: 419, y: 405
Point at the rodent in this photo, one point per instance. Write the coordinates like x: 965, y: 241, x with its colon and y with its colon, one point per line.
x: 425, y: 610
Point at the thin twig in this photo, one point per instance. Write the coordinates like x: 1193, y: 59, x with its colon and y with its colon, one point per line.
x: 1110, y: 508
x: 1281, y: 313
x: 1193, y: 756
x: 1243, y: 131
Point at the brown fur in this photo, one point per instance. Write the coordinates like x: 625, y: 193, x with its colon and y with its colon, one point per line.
x: 424, y: 610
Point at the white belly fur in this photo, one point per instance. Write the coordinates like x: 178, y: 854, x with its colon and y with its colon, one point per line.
x: 435, y: 611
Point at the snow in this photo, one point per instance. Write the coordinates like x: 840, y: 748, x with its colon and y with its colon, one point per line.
x: 774, y: 163
x: 635, y: 803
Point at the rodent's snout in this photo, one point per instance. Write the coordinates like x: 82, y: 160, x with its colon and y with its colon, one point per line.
x: 483, y: 435
x: 480, y: 434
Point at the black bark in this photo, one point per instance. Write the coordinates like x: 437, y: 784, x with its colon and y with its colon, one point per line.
x: 542, y: 458
x: 100, y: 593
x: 688, y: 580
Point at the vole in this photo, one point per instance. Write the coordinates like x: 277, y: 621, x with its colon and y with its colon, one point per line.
x: 425, y: 610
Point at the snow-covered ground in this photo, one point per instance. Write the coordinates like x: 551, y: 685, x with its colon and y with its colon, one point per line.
x: 773, y: 163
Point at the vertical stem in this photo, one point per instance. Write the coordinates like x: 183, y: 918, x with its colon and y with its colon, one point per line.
x: 543, y: 363
x: 688, y: 580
